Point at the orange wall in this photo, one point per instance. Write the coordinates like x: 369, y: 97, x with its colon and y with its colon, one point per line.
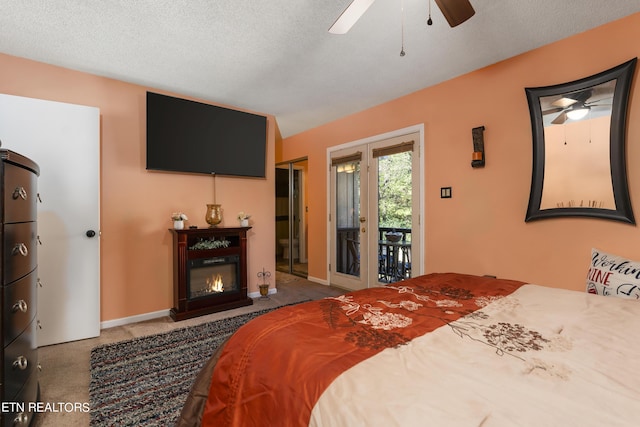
x: 481, y: 230
x: 136, y: 252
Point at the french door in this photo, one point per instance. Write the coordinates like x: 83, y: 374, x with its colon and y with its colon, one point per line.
x: 375, y: 212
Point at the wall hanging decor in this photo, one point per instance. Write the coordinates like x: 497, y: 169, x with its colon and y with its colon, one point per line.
x: 579, y: 161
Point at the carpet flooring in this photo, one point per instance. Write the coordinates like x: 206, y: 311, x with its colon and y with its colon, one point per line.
x: 65, y: 375
x: 144, y: 381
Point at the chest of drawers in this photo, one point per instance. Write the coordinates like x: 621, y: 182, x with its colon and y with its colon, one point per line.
x: 18, y: 271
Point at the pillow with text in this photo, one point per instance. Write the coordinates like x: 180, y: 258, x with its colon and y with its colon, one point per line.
x: 613, y: 275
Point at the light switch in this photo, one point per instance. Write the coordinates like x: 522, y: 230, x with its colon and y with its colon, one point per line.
x: 445, y: 192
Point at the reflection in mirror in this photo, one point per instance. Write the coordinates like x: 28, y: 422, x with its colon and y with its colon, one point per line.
x: 579, y: 166
x: 576, y: 144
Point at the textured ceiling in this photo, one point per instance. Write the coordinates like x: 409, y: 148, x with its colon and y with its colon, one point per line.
x: 276, y: 57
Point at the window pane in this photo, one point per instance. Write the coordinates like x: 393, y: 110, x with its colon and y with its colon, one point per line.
x: 347, y: 218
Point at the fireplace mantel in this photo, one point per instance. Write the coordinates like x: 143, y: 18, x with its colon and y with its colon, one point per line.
x: 225, y: 249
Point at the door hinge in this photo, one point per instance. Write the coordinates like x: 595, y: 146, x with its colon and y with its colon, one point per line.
x: 329, y: 268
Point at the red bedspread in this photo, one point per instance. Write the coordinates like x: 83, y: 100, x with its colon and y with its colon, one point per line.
x: 274, y: 368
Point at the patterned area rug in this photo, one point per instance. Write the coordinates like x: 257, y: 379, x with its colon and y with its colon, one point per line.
x: 145, y: 381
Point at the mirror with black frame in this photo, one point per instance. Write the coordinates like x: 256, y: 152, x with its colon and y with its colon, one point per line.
x: 579, y: 161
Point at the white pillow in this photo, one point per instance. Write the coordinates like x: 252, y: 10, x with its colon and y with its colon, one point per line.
x: 613, y: 275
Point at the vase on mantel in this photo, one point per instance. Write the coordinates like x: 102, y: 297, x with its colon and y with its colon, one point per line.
x: 214, y: 214
x: 178, y: 224
x: 244, y: 223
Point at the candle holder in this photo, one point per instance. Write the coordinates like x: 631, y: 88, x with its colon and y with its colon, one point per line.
x: 264, y: 286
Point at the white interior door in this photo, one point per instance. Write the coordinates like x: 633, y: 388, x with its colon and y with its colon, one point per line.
x: 64, y: 140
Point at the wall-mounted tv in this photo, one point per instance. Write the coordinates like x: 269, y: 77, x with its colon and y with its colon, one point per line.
x: 189, y: 136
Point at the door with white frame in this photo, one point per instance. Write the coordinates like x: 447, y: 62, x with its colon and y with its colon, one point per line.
x: 375, y: 210
x: 64, y: 140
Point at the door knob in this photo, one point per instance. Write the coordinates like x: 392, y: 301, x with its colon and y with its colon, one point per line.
x: 90, y: 233
x: 362, y: 219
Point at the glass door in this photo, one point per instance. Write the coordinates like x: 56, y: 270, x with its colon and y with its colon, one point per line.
x: 349, y: 258
x: 394, y: 209
x: 375, y: 213
x: 291, y: 217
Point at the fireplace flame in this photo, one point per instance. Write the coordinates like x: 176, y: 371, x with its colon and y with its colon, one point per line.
x: 215, y: 283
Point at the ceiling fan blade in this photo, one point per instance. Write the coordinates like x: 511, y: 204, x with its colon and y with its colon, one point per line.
x: 456, y: 11
x: 562, y: 117
x: 564, y: 102
x: 571, y: 98
x: 552, y: 110
x: 350, y: 16
x: 595, y: 102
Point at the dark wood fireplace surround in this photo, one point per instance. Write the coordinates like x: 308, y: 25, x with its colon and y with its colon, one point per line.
x: 185, y: 307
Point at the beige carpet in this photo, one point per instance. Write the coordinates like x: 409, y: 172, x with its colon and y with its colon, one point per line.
x: 65, y: 367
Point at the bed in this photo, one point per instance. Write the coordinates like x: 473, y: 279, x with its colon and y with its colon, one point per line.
x: 436, y: 350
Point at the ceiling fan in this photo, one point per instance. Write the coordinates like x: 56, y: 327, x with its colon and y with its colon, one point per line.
x: 574, y: 106
x: 455, y: 11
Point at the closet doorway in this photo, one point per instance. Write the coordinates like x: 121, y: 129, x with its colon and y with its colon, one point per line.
x: 291, y: 217
x: 375, y: 210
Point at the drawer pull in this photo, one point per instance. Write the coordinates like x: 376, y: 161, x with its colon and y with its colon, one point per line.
x: 21, y: 363
x: 20, y: 306
x: 20, y: 192
x: 21, y: 419
x: 20, y: 248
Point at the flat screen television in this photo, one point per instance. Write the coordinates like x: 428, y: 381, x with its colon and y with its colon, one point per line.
x: 189, y: 136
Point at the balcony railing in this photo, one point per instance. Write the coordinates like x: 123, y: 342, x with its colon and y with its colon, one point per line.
x: 394, y: 258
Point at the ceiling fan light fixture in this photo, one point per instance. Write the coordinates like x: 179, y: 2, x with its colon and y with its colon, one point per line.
x: 350, y: 16
x: 578, y: 113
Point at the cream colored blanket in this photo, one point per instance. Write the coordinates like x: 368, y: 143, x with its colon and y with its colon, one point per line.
x: 538, y: 357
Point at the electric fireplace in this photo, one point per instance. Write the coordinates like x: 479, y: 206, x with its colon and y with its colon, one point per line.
x: 211, y: 276
x: 209, y: 271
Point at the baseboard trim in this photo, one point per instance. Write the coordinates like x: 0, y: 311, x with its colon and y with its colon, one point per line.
x: 317, y: 280
x: 161, y: 313
x: 133, y: 319
x: 255, y: 295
